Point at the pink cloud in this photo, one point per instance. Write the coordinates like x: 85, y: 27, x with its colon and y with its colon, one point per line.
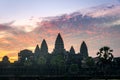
x: 90, y: 32
x: 16, y: 38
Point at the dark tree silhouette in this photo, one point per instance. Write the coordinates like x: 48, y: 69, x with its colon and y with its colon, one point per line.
x: 73, y: 68
x: 90, y: 62
x: 105, y: 57
x: 105, y: 53
x: 5, y: 59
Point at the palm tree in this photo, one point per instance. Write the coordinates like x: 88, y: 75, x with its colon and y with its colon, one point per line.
x: 105, y: 53
x: 105, y: 57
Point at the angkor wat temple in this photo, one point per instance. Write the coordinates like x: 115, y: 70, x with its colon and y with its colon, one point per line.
x: 60, y: 63
x: 41, y: 53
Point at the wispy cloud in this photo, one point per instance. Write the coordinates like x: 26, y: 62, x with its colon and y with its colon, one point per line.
x: 105, y: 10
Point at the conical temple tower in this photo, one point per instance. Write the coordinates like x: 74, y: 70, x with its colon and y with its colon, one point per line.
x: 44, y: 48
x: 59, y: 45
x: 72, y: 50
x: 37, y: 51
x: 84, y: 50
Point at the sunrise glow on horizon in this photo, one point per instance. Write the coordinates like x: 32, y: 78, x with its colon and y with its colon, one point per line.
x: 25, y: 23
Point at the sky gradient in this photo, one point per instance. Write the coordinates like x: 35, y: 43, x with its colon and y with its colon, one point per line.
x: 24, y: 9
x: 21, y: 26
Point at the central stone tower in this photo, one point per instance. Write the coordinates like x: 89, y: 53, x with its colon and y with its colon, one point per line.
x: 59, y: 45
x: 84, y: 50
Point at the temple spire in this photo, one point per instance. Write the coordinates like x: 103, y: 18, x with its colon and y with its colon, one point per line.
x: 44, y: 47
x: 37, y: 51
x: 72, y: 50
x: 59, y: 44
x: 84, y: 50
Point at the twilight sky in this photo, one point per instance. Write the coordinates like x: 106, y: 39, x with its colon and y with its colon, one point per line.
x: 21, y: 26
x: 24, y: 9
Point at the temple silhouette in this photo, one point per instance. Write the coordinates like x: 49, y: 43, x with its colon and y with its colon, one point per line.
x: 42, y: 51
x: 60, y: 62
